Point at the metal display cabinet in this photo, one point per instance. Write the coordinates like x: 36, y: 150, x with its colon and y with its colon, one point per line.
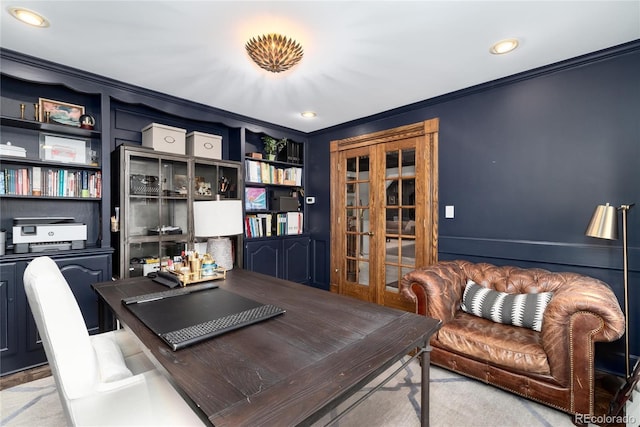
x: 154, y: 211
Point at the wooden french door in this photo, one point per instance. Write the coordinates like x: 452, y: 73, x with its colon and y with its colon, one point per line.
x: 384, y: 210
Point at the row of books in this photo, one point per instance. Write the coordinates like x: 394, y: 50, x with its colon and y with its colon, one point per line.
x: 267, y: 225
x: 267, y: 173
x: 37, y: 181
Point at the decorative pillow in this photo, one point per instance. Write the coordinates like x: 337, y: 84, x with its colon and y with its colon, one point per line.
x: 525, y: 310
x: 110, y: 360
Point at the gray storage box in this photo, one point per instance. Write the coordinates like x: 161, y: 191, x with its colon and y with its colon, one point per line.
x: 204, y: 145
x: 164, y: 138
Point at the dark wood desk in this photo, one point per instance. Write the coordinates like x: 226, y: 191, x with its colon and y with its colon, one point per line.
x: 289, y: 370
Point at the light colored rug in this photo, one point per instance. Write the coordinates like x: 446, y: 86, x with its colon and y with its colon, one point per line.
x: 456, y: 401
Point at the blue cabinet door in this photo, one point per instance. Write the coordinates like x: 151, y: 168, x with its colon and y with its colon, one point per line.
x: 264, y: 256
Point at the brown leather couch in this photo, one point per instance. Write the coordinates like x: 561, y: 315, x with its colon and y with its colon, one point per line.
x: 554, y: 366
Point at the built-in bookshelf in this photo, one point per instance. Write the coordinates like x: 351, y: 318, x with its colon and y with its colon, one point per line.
x: 275, y: 240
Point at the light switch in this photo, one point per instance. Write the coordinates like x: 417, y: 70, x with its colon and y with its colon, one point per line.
x: 448, y: 212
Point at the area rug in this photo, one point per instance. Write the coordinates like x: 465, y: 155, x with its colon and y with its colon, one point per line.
x: 456, y: 401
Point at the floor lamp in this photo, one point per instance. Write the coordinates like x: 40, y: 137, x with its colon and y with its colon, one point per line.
x: 604, y: 225
x: 217, y: 219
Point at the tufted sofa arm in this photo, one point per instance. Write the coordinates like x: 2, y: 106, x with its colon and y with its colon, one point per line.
x: 437, y: 289
x: 583, y: 311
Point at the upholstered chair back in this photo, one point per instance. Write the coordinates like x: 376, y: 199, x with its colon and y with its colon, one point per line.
x: 64, y: 333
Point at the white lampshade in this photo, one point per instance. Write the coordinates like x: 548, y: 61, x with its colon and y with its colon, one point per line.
x: 215, y: 219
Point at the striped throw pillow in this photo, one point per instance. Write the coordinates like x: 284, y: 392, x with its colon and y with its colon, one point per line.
x: 525, y: 310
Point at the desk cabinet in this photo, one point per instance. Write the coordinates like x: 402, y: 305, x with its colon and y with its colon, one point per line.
x: 287, y: 257
x: 20, y: 344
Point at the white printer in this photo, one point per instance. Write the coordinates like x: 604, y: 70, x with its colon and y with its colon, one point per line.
x: 40, y: 234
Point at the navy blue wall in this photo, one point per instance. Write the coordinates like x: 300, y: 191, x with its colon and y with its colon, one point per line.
x: 525, y: 160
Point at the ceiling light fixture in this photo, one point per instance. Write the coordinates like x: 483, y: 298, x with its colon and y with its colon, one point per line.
x: 28, y: 17
x: 308, y: 114
x: 274, y: 52
x: 504, y: 46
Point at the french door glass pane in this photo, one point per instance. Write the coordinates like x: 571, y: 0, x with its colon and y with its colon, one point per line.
x: 391, y: 169
x: 408, y: 162
x: 363, y: 167
x: 409, y: 191
x: 351, y: 169
x: 363, y: 194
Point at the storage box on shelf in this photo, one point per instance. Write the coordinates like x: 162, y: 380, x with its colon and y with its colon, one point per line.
x: 164, y: 138
x: 204, y: 145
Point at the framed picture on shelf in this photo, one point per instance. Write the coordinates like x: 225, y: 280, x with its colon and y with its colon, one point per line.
x: 62, y: 149
x: 60, y: 112
x: 255, y: 199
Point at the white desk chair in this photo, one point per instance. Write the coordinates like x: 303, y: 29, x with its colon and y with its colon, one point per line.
x: 102, y: 379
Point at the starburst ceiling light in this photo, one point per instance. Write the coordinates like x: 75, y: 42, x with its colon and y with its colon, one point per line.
x: 274, y: 52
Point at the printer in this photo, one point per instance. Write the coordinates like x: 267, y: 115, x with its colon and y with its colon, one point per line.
x: 41, y: 234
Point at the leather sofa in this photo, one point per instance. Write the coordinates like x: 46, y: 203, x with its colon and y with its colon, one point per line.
x: 554, y: 366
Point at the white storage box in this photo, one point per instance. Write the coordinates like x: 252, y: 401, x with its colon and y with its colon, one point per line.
x: 204, y: 145
x: 164, y: 138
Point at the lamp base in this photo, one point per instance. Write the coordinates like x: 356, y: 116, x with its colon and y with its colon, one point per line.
x: 221, y: 249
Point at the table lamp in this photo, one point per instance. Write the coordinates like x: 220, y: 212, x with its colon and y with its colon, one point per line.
x: 217, y: 219
x: 604, y: 225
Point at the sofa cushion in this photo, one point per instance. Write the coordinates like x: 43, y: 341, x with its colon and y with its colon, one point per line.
x: 525, y: 310
x: 510, y: 347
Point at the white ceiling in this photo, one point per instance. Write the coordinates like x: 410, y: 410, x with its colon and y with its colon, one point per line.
x: 360, y: 57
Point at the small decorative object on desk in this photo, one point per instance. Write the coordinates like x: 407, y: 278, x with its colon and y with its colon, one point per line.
x: 196, y: 269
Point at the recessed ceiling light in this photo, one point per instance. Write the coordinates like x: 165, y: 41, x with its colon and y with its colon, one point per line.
x: 308, y: 114
x: 504, y: 46
x: 28, y: 17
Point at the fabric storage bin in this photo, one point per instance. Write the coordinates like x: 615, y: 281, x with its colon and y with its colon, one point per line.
x: 204, y: 145
x: 164, y: 138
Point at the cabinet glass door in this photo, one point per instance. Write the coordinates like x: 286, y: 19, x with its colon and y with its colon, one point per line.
x: 157, y: 212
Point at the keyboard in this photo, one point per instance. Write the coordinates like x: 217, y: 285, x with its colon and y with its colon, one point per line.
x: 192, y: 334
x: 154, y: 296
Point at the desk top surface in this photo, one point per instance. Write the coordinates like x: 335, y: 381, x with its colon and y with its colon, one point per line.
x: 288, y: 370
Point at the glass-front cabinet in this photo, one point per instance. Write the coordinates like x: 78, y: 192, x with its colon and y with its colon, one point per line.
x: 213, y: 178
x: 150, y: 219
